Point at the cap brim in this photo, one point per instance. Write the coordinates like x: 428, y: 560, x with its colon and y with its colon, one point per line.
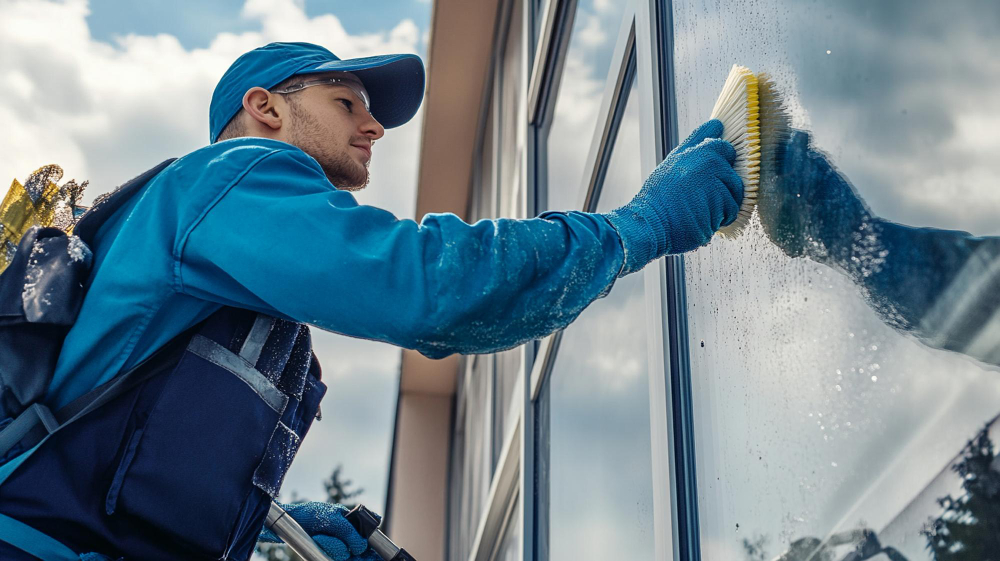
x: 395, y: 84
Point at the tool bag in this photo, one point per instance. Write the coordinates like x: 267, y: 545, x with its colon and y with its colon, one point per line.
x: 177, y: 458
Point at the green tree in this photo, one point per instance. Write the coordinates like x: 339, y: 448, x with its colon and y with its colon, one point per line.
x: 337, y: 491
x: 755, y: 550
x: 969, y: 527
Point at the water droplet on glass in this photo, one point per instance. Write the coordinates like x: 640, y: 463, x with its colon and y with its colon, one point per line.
x: 874, y: 378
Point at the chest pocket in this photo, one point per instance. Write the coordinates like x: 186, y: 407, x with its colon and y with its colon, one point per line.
x: 212, y: 441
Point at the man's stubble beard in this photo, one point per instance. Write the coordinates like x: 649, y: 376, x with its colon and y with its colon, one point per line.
x: 340, y: 169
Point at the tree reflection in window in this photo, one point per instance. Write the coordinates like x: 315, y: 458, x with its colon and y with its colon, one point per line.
x: 968, y: 529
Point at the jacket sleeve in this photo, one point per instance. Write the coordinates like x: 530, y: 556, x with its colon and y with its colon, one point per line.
x: 941, y: 286
x: 282, y: 240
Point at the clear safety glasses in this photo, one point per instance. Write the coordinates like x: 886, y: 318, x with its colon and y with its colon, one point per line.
x: 354, y: 86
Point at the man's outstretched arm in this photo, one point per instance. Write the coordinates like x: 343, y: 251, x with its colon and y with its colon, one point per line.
x: 943, y: 286
x: 283, y: 241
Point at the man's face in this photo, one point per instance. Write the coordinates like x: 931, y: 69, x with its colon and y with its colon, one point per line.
x: 330, y: 123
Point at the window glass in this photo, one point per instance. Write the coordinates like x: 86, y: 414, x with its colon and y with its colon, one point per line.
x: 510, y: 543
x: 538, y: 8
x: 510, y: 86
x: 506, y: 368
x: 843, y: 354
x: 595, y: 480
x: 585, y: 70
x: 473, y: 429
x: 483, y: 193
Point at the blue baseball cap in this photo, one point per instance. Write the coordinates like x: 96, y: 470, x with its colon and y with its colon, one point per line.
x: 395, y: 83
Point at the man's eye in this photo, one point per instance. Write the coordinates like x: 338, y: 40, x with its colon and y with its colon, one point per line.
x: 347, y: 103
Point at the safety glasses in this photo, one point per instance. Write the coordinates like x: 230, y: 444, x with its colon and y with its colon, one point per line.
x: 354, y: 86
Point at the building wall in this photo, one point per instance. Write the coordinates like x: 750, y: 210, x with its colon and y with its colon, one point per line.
x: 736, y: 402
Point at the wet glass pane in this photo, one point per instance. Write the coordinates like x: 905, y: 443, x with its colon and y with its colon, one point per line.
x: 574, y: 120
x: 595, y: 487
x: 844, y: 351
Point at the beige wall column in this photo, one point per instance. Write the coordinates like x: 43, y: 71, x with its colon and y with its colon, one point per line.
x: 417, y: 509
x: 458, y: 67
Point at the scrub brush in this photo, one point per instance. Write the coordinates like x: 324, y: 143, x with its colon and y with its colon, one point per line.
x: 738, y: 107
x: 756, y: 122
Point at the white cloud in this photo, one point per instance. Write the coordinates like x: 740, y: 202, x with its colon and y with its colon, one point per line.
x: 592, y: 34
x: 106, y: 112
x: 604, y: 5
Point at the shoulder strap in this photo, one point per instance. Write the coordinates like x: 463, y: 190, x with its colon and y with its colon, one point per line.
x: 37, y: 422
x: 86, y: 228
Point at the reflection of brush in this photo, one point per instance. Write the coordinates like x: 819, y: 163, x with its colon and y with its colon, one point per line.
x: 738, y: 107
x: 775, y: 130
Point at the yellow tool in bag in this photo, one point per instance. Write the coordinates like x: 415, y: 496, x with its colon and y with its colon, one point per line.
x: 39, y: 202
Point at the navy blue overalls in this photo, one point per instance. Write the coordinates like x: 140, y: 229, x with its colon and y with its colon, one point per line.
x: 183, y: 464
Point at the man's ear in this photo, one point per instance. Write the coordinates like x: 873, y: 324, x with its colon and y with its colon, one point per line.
x: 260, y: 104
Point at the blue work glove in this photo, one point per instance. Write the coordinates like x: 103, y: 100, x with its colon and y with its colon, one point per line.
x: 326, y: 523
x: 689, y: 196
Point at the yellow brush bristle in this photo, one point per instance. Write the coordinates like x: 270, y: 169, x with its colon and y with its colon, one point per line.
x: 738, y: 107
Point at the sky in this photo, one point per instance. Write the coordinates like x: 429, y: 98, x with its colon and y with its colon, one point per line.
x: 109, y: 88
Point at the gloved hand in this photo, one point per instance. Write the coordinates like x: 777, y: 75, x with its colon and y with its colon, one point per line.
x: 326, y: 523
x: 812, y: 210
x: 689, y: 196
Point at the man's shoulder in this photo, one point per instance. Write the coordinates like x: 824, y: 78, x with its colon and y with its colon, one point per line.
x: 234, y: 156
x: 195, y: 182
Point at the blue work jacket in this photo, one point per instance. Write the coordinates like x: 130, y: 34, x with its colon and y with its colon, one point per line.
x: 254, y: 223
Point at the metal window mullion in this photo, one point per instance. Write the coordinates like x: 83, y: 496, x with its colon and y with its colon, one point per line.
x: 526, y: 441
x: 687, y: 539
x: 651, y: 148
x: 557, y: 22
x: 610, y: 114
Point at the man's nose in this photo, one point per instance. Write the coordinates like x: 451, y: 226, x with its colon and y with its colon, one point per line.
x: 372, y: 128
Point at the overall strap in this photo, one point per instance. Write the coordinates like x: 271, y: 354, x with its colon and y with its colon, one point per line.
x: 30, y: 540
x: 36, y: 423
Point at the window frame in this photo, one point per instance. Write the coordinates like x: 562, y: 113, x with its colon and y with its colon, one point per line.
x: 643, y: 52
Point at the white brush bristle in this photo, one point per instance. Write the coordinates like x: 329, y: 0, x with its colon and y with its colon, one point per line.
x: 738, y: 107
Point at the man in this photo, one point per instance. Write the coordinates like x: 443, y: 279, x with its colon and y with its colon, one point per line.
x: 246, y: 239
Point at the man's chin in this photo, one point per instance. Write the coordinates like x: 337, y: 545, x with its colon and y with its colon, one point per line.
x: 344, y: 187
x: 349, y: 182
